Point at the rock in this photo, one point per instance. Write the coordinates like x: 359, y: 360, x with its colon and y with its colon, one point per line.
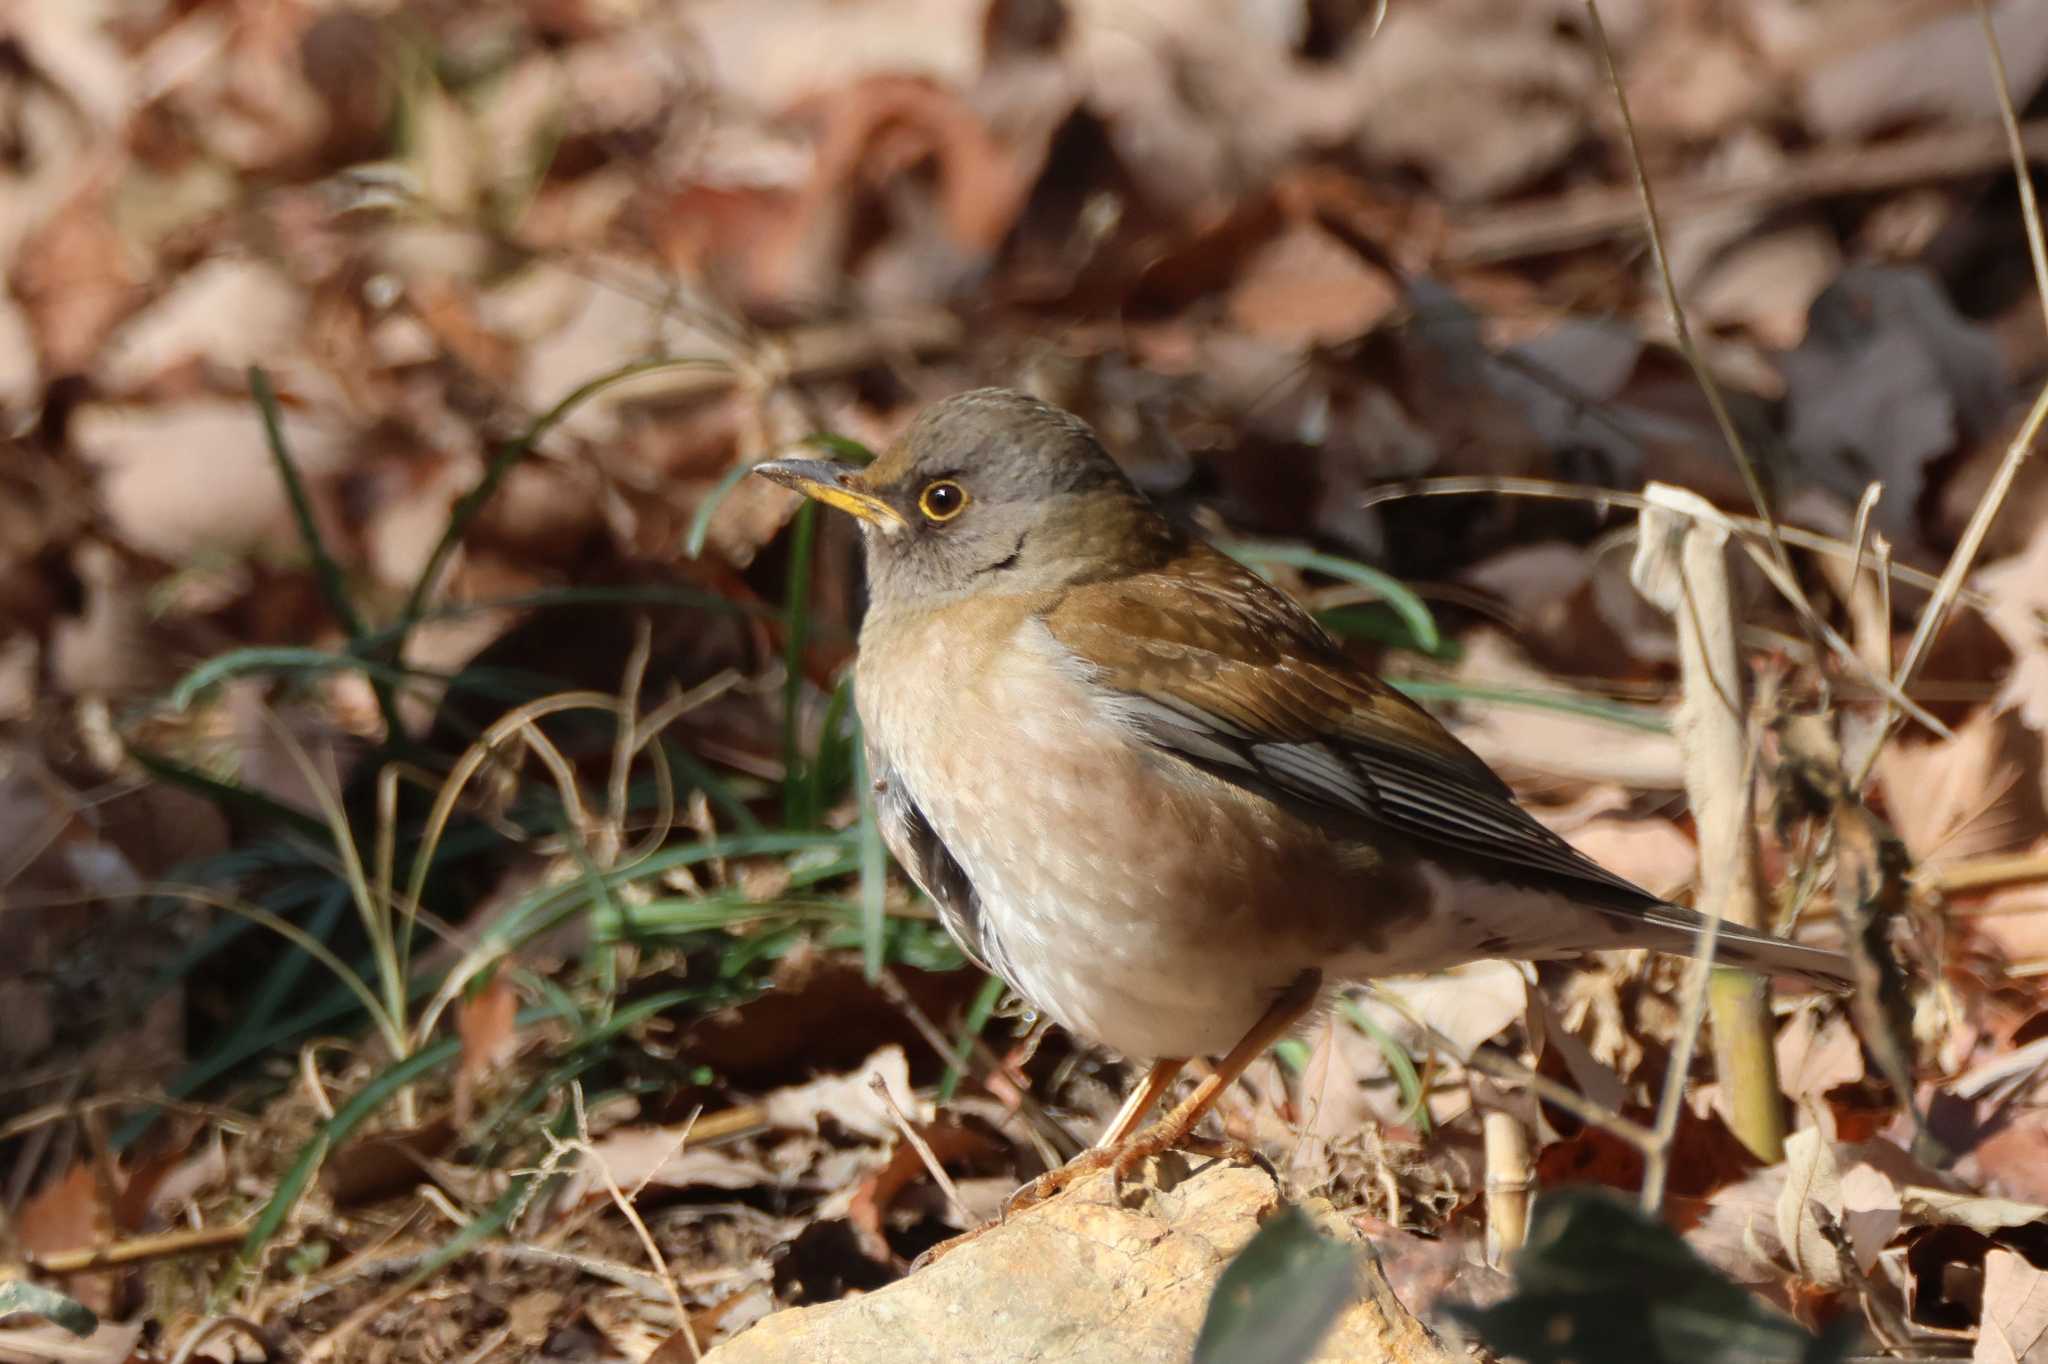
x: 1079, y: 1280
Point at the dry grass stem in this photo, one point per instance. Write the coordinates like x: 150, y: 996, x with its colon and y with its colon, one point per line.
x: 1681, y: 568
x: 2016, y: 143
x: 1510, y: 1183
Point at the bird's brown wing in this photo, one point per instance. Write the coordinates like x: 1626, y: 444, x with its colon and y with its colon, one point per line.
x: 1220, y: 668
x: 1216, y: 667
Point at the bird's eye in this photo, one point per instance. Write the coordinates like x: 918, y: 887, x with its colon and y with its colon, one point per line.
x: 942, y: 500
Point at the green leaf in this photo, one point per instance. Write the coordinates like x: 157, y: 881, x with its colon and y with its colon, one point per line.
x: 1277, y: 1300
x: 1600, y: 1283
x: 19, y: 1295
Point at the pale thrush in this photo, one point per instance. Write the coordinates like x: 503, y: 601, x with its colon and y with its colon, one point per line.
x: 1149, y: 790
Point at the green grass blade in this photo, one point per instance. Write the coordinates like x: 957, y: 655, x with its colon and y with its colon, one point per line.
x: 1399, y: 1063
x: 230, y: 796
x: 326, y: 570
x: 831, y: 767
x: 979, y: 1012
x: 1397, y: 596
x: 797, y: 619
x: 508, y: 458
x: 277, y: 658
x: 313, y: 1154
x: 700, y: 520
x: 1642, y: 718
x: 281, y: 982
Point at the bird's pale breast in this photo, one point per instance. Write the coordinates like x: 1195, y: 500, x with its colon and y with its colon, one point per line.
x: 1136, y: 900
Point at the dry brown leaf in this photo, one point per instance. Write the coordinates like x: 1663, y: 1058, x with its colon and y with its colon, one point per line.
x: 486, y: 1023
x: 1950, y: 799
x: 774, y: 56
x: 1870, y: 1212
x: 872, y: 1199
x: 1985, y: 1216
x: 1555, y: 743
x: 225, y: 313
x: 1305, y: 288
x: 1871, y: 64
x: 385, y: 1163
x: 1691, y: 80
x: 2018, y: 588
x: 113, y: 1343
x: 2013, y: 919
x: 2014, y: 1327
x: 1811, y: 1177
x: 67, y: 1214
x: 1654, y: 853
x: 186, y: 478
x: 660, y: 1157
x: 849, y: 1100
x: 1484, y: 97
x: 1816, y: 1053
x: 76, y: 278
x: 1744, y: 265
x: 1890, y: 378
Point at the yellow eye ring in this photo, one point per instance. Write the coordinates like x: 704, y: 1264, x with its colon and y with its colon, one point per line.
x: 942, y: 500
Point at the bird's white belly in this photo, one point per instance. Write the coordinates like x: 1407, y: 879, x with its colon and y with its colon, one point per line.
x: 1128, y: 896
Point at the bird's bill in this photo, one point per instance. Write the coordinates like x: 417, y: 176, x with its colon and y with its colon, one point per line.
x: 832, y: 484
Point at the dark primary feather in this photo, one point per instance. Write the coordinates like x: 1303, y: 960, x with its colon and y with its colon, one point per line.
x: 1221, y: 669
x: 919, y: 850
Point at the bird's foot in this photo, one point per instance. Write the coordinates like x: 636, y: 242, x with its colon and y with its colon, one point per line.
x: 933, y: 1254
x: 1121, y: 1161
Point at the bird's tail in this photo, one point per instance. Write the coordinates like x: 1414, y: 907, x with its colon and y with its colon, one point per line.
x: 1679, y: 930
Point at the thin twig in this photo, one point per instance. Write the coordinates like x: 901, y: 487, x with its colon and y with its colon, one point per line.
x: 1682, y: 330
x: 2017, y: 144
x: 1965, y: 555
x: 213, y: 1326
x: 1504, y: 1068
x: 1490, y: 485
x: 977, y: 1066
x: 923, y: 1148
x: 632, y: 1215
x: 137, y: 1250
x: 1586, y: 217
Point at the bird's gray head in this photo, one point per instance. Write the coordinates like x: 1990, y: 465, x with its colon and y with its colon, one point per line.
x: 987, y: 491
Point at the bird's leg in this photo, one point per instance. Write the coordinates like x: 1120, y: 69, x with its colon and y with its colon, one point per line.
x: 1157, y: 1081
x: 1148, y: 1093
x: 1170, y: 1131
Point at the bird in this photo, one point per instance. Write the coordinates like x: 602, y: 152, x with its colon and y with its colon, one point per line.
x: 1146, y: 788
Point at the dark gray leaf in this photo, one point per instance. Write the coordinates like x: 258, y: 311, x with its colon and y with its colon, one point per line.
x: 1599, y: 1283
x: 18, y: 1295
x: 1278, y: 1298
